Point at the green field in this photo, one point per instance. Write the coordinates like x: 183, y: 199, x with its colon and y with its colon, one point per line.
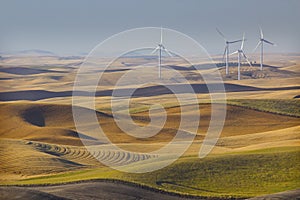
x: 290, y: 107
x: 245, y: 174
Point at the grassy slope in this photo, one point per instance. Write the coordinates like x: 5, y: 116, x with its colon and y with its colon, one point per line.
x: 290, y: 107
x: 239, y: 175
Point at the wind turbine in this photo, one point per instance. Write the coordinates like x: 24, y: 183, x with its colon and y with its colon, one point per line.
x: 240, y: 52
x: 226, y: 51
x: 261, y: 43
x: 160, y: 47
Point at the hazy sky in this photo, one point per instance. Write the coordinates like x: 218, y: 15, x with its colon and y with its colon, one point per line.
x: 72, y: 26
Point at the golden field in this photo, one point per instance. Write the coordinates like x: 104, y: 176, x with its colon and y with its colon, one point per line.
x: 257, y: 152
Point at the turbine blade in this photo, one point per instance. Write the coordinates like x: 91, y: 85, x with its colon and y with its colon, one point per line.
x: 235, y: 41
x: 259, y: 42
x: 246, y: 59
x: 224, y: 54
x: 242, y: 45
x: 161, y: 35
x: 268, y: 42
x: 261, y: 33
x: 167, y: 51
x: 155, y: 50
x: 221, y: 34
x: 234, y: 53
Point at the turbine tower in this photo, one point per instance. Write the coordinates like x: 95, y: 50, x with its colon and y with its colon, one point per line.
x: 226, y: 51
x: 261, y: 43
x: 240, y: 53
x: 160, y: 47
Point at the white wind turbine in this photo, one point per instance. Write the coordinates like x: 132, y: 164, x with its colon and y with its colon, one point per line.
x: 226, y: 51
x: 160, y: 47
x: 261, y: 43
x: 240, y: 53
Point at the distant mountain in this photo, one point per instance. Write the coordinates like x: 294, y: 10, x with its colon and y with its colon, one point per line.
x: 71, y: 57
x: 35, y: 52
x: 146, y: 53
